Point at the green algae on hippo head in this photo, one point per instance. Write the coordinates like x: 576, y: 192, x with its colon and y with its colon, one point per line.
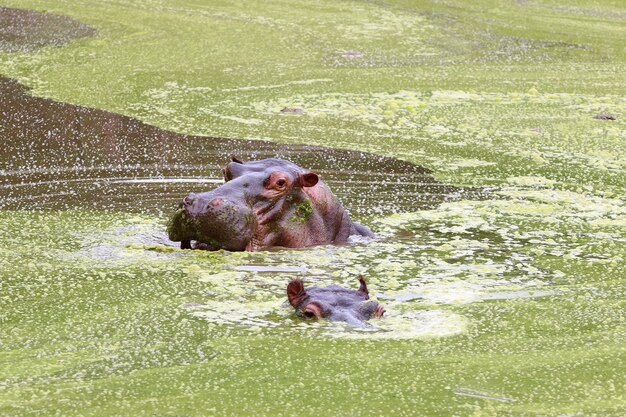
x: 266, y: 203
x: 214, y: 223
x: 178, y: 229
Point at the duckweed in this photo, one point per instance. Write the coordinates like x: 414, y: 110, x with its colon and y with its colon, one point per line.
x: 509, y: 305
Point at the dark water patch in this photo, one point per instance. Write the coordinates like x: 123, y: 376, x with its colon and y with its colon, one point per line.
x: 26, y: 30
x: 61, y: 156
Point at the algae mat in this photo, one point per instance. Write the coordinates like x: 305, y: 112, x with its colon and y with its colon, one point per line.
x: 512, y: 305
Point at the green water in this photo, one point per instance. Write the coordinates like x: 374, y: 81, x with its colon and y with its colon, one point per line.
x: 512, y: 305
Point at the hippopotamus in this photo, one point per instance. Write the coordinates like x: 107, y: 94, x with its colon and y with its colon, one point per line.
x: 262, y: 204
x: 334, y: 303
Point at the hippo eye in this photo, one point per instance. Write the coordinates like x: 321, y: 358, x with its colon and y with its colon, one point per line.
x: 313, y: 310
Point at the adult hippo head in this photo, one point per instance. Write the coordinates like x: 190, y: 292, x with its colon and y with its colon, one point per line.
x: 271, y: 202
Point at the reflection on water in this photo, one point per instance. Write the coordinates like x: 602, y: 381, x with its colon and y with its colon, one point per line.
x: 60, y: 156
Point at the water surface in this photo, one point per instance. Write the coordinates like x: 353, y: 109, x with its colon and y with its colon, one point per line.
x: 506, y: 305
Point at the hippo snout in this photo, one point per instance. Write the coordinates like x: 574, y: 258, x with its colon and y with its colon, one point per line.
x: 187, y: 201
x: 213, y: 220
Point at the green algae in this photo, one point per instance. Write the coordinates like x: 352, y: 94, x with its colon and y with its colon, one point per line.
x: 135, y: 318
x: 99, y: 312
x: 303, y: 211
x: 178, y: 229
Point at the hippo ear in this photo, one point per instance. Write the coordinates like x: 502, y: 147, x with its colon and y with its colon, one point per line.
x: 363, y: 288
x: 309, y: 179
x: 235, y: 159
x: 296, y: 292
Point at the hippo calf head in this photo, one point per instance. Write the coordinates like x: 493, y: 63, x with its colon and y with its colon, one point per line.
x: 334, y: 303
x: 271, y: 202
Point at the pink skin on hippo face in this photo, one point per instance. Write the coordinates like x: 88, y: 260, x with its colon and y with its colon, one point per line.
x: 266, y: 203
x: 334, y: 303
